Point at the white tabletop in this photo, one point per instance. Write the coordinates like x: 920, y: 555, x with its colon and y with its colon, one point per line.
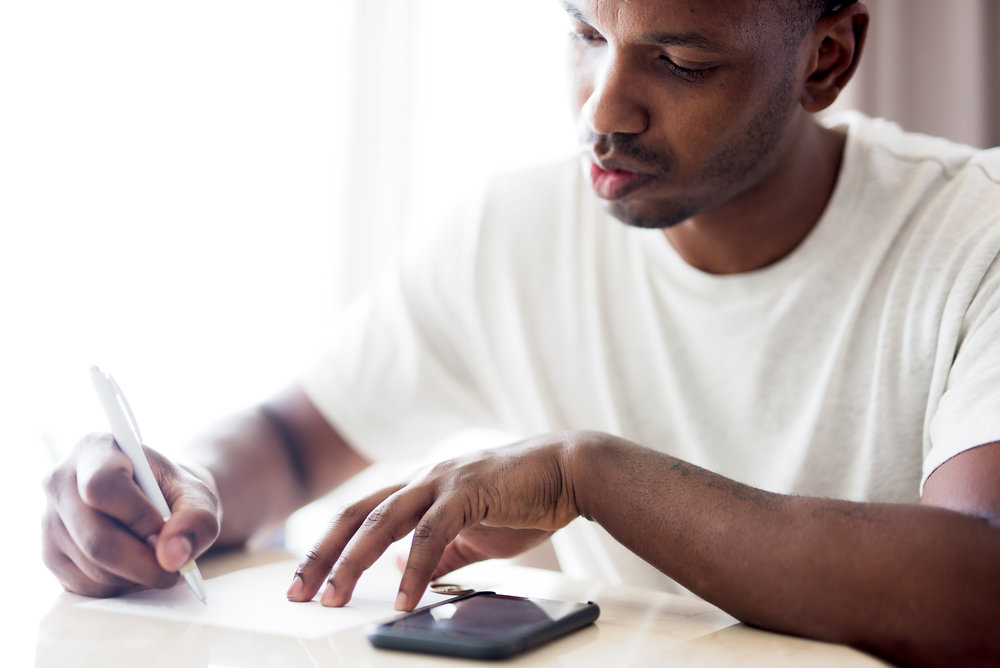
x: 636, y: 628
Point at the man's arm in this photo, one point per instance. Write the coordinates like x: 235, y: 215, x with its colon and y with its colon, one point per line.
x: 270, y: 461
x: 917, y: 584
x: 258, y: 467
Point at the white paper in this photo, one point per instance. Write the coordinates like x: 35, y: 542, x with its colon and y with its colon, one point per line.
x: 254, y: 600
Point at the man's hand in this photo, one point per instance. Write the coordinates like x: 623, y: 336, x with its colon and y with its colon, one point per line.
x: 494, y: 503
x: 102, y: 537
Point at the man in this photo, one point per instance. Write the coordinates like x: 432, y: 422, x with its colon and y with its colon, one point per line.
x: 789, y: 405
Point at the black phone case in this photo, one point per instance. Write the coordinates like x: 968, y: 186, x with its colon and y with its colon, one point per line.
x: 388, y: 636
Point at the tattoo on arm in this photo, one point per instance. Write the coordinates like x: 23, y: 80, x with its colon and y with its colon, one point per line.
x: 762, y: 498
x: 854, y: 511
x: 290, y: 445
x: 862, y: 512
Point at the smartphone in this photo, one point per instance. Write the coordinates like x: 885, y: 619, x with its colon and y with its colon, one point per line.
x: 483, y: 625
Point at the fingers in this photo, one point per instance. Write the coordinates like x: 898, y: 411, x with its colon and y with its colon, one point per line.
x: 187, y: 534
x: 105, y: 483
x: 435, y: 532
x: 107, y: 562
x: 520, y: 488
x: 101, y: 546
x: 319, y: 561
x: 362, y: 533
x: 98, y: 527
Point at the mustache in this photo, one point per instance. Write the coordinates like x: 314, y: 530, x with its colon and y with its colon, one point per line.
x: 624, y: 146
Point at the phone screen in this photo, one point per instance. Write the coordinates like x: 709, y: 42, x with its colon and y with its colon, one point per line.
x: 484, y: 624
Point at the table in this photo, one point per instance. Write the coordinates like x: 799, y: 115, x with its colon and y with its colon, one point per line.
x: 637, y: 627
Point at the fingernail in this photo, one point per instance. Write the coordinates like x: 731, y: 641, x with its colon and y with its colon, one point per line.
x: 297, y: 587
x: 178, y: 552
x: 328, y: 595
x: 402, y: 602
x: 152, y: 540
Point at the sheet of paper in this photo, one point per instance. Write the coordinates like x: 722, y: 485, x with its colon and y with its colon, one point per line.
x: 254, y: 600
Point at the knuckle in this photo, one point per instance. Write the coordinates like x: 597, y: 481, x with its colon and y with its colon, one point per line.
x: 346, y: 515
x: 347, y: 564
x: 344, y: 562
x: 343, y: 517
x: 314, y: 559
x: 424, y: 531
x: 96, y: 439
x: 99, y: 550
x: 50, y: 483
x: 440, y: 468
x: 375, y: 516
x: 101, y: 489
x: 56, y: 481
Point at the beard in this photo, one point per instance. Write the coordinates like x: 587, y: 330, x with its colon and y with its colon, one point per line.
x: 736, y: 167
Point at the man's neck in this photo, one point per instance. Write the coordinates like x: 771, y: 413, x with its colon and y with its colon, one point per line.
x: 765, y: 224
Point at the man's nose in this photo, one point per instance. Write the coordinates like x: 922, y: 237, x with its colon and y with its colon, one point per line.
x: 614, y: 104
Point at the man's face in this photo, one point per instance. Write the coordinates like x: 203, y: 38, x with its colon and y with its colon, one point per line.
x: 684, y: 105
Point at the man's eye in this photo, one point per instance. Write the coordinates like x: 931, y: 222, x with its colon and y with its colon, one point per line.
x: 587, y: 36
x: 687, y: 73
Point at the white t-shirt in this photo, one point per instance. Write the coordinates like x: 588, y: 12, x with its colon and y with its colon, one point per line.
x: 851, y: 368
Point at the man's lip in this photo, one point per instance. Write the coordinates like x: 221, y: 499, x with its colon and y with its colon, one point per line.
x: 612, y: 180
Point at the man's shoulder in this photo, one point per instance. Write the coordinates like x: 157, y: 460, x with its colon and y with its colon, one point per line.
x: 927, y: 185
x: 989, y: 162
x: 882, y: 144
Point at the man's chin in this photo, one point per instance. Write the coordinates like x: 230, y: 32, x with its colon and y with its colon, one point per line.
x: 634, y: 214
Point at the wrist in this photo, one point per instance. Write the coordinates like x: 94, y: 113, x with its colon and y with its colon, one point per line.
x: 583, y: 452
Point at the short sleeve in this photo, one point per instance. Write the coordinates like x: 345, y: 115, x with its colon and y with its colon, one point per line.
x: 968, y: 412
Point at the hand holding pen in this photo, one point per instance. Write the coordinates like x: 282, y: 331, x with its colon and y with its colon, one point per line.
x: 100, y: 524
x: 126, y: 432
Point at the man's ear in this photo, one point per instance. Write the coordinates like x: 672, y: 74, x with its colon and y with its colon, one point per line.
x: 836, y: 43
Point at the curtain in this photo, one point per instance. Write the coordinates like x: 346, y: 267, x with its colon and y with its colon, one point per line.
x: 933, y: 67
x: 444, y: 93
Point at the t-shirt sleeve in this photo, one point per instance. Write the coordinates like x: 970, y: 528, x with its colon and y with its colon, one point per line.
x: 968, y: 412
x: 399, y: 371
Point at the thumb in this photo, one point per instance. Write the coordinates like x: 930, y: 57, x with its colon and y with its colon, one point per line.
x: 455, y: 556
x: 194, y: 521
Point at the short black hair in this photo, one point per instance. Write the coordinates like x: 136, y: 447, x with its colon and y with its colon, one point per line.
x: 814, y: 10
x: 827, y: 7
x: 805, y: 14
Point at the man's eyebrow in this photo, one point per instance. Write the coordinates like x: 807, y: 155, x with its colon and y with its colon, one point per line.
x: 574, y: 12
x: 689, y: 39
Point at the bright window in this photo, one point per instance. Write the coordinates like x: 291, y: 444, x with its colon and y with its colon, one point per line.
x: 189, y: 189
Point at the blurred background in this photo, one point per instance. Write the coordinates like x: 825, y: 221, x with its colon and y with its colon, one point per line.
x: 190, y: 190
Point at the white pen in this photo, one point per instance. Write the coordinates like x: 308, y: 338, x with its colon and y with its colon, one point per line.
x: 126, y: 432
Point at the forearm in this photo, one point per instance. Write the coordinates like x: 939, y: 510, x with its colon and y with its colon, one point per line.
x: 244, y: 464
x: 913, y: 583
x: 269, y: 461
